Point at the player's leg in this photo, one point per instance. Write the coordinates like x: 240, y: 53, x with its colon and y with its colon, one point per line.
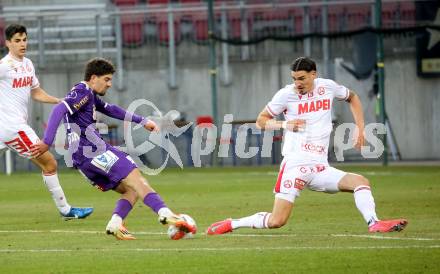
x: 115, y: 170
x: 360, y: 186
x: 20, y: 141
x: 361, y: 189
x: 48, y: 166
x: 152, y: 199
x: 286, y: 192
x: 123, y: 206
x: 262, y: 220
x: 332, y: 180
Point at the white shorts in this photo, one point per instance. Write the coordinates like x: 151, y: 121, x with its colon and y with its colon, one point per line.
x: 18, y: 138
x: 293, y: 178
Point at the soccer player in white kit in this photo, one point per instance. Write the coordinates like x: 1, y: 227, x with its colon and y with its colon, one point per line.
x: 18, y: 83
x: 306, y: 105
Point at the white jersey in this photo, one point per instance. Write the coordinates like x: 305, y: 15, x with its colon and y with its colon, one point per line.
x: 311, y: 145
x: 17, y: 79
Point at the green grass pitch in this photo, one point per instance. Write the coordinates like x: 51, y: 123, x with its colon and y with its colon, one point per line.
x: 325, y: 234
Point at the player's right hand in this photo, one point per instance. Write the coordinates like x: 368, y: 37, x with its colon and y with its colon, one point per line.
x: 39, y: 148
x: 151, y: 126
x: 296, y: 125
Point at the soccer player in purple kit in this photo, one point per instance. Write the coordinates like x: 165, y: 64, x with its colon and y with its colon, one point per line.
x: 107, y: 168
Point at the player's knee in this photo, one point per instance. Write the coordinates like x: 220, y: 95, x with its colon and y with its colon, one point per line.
x: 276, y: 222
x: 131, y: 196
x: 363, y: 181
x: 50, y: 166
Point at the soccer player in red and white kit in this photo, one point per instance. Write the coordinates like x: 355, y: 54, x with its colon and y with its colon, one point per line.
x: 307, y: 109
x: 18, y: 83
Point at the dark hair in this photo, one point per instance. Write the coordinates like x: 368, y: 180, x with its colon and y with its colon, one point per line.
x: 303, y: 63
x: 12, y: 29
x: 98, y: 67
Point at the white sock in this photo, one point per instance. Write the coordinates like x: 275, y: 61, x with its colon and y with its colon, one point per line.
x: 165, y: 212
x: 258, y: 220
x: 53, y: 185
x: 365, y: 203
x: 114, y: 223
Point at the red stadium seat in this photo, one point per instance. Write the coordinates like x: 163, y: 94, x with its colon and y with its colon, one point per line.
x: 156, y: 2
x: 270, y: 21
x: 389, y: 11
x: 234, y: 21
x: 2, y: 33
x: 189, y: 1
x: 125, y: 2
x: 315, y: 19
x: 200, y: 24
x: 132, y: 29
x: 297, y: 15
x: 358, y: 16
x: 336, y: 15
x: 162, y: 29
x: 408, y: 12
x: 208, y: 120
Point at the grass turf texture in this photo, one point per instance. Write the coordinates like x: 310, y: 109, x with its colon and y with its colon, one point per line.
x: 325, y: 234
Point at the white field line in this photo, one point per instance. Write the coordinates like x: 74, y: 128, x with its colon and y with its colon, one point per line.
x: 368, y: 173
x: 379, y: 237
x: 257, y: 248
x: 383, y: 237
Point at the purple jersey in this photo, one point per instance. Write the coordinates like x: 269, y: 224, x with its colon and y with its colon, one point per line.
x: 82, y: 104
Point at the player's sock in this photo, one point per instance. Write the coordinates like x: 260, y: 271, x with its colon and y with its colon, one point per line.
x: 123, y: 207
x: 53, y: 185
x: 365, y: 203
x: 155, y: 202
x: 165, y: 212
x: 115, y: 223
x: 258, y: 220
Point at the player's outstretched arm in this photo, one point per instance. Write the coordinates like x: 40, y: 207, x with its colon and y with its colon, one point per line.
x: 358, y: 116
x: 119, y: 113
x: 49, y: 135
x: 40, y: 95
x: 265, y: 121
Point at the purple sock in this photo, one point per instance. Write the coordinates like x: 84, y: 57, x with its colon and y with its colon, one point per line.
x: 154, y: 201
x: 122, y: 208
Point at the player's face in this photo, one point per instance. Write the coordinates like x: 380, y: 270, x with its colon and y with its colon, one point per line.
x: 17, y: 45
x: 303, y: 80
x: 100, y: 84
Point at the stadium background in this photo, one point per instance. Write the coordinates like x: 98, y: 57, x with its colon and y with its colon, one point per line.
x: 325, y: 234
x: 260, y: 39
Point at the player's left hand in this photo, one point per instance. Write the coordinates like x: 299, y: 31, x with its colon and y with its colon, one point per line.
x: 39, y: 148
x: 151, y: 126
x: 358, y: 138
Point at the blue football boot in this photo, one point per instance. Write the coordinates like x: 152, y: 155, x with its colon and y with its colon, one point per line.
x: 77, y: 213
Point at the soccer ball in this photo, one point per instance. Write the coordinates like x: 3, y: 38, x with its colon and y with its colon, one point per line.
x: 175, y: 234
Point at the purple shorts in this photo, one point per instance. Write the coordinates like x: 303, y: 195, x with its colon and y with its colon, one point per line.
x: 106, y: 170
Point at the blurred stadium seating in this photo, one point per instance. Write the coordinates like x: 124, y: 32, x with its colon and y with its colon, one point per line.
x: 147, y: 22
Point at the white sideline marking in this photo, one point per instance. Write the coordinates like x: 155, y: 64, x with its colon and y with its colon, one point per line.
x: 230, y: 235
x: 257, y: 248
x: 77, y: 232
x: 383, y: 237
x: 336, y: 235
